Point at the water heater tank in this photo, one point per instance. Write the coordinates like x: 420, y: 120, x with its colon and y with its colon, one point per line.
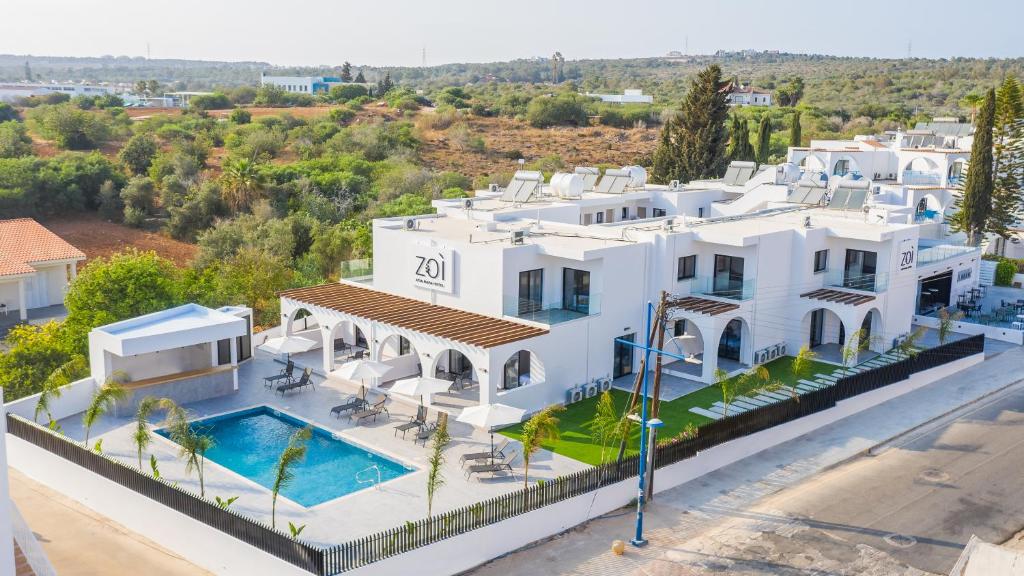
x: 637, y: 176
x: 565, y: 185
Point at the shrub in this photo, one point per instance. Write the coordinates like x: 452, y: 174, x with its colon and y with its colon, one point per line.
x: 7, y: 112
x: 215, y: 101
x: 346, y: 92
x: 341, y: 115
x: 139, y: 196
x: 1005, y: 271
x: 138, y: 153
x: 240, y: 116
x: 71, y: 128
x: 14, y: 140
x: 564, y: 109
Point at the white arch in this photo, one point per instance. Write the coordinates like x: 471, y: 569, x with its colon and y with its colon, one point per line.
x: 921, y: 164
x: 745, y: 349
x: 875, y: 328
x: 852, y: 165
x: 832, y: 330
x: 441, y: 358
x: 535, y: 374
x: 812, y: 163
x: 681, y: 346
x: 300, y: 323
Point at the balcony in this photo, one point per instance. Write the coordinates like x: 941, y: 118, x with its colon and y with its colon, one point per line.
x: 724, y: 288
x: 357, y: 270
x: 928, y: 253
x: 877, y: 282
x: 921, y: 178
x: 551, y: 312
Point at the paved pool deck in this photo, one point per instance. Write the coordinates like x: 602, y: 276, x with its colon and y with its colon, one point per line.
x: 348, y: 517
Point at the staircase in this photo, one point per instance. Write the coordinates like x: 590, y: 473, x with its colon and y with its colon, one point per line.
x: 987, y: 276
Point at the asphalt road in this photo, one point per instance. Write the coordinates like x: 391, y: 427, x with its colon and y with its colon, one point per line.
x: 907, y: 510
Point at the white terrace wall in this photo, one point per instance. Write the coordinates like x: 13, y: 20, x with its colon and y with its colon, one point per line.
x: 74, y: 398
x: 993, y: 332
x: 473, y: 548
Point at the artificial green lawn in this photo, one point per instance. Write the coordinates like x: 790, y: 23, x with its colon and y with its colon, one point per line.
x: 576, y: 443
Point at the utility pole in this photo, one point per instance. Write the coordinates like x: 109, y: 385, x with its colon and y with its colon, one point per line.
x: 424, y: 56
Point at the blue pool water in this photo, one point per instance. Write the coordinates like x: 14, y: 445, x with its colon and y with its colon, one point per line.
x: 249, y: 443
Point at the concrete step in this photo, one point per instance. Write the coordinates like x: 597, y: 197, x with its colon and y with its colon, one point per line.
x: 778, y: 395
x: 766, y: 398
x: 750, y: 400
x: 812, y: 384
x: 803, y: 388
x: 826, y: 377
x: 707, y: 413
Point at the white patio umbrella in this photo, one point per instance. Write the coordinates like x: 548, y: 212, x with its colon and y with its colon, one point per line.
x: 420, y: 386
x: 489, y: 416
x: 287, y: 345
x: 361, y: 369
x: 688, y: 344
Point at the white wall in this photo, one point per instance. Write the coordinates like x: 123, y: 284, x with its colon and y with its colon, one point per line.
x: 6, y: 531
x: 74, y: 398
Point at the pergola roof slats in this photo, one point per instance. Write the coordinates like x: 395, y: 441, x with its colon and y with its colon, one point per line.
x: 838, y: 296
x: 702, y: 305
x: 441, y: 321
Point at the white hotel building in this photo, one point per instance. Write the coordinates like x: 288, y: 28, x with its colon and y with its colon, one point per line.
x: 526, y: 289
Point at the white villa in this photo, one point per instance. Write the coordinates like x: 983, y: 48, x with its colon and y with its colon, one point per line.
x: 36, y: 267
x: 525, y: 290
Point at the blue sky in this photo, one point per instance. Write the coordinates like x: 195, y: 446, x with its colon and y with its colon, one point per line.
x: 394, y: 32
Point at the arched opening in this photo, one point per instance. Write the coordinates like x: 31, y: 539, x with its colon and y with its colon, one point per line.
x: 928, y: 208
x: 812, y: 163
x: 871, y: 332
x: 301, y: 321
x: 845, y: 165
x: 454, y: 366
x: 825, y: 334
x: 521, y: 369
x: 685, y: 339
x: 733, y: 345
x: 399, y: 353
x: 348, y: 342
x: 957, y: 171
x: 922, y: 171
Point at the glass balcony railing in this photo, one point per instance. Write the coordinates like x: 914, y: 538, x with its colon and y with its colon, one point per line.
x: 357, y: 270
x: 551, y: 312
x: 877, y: 282
x: 928, y: 254
x: 921, y: 178
x: 722, y: 287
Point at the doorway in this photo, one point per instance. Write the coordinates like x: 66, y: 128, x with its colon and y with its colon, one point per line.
x: 623, y: 361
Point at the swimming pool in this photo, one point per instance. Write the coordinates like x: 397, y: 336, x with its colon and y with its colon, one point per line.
x: 249, y: 443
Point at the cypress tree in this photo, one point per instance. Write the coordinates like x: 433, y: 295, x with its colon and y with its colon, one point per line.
x: 1007, y: 158
x: 975, y: 203
x: 794, y: 130
x: 346, y: 72
x: 764, y: 139
x: 360, y: 79
x: 740, y: 147
x: 666, y: 155
x: 701, y: 130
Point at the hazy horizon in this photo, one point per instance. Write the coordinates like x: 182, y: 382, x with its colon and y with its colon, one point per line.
x: 465, y: 31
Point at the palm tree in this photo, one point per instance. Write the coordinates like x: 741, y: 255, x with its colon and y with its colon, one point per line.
x: 606, y: 423
x: 102, y: 401
x: 242, y: 183
x: 972, y: 101
x: 540, y: 427
x: 755, y: 380
x: 435, y: 480
x: 75, y: 368
x: 908, y: 346
x: 142, y: 436
x: 193, y: 444
x: 292, y: 455
x: 946, y: 321
x: 801, y: 368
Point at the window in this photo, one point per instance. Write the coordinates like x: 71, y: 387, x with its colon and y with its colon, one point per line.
x: 588, y: 219
x: 728, y: 279
x: 820, y: 261
x: 600, y: 217
x: 641, y: 212
x: 224, y: 352
x: 687, y: 267
x: 625, y: 213
x: 576, y: 290
x: 245, y: 342
x: 700, y: 212
x: 517, y: 370
x: 403, y: 346
x: 657, y: 212
x: 531, y: 295
x: 842, y: 168
x: 679, y: 328
x: 859, y: 272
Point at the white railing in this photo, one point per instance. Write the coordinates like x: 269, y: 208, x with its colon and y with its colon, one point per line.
x: 30, y: 547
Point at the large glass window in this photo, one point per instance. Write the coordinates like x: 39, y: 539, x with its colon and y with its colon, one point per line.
x: 531, y: 290
x: 728, y: 280
x: 622, y: 363
x: 576, y: 290
x: 842, y: 168
x: 224, y: 352
x: 687, y: 267
x: 859, y: 270
x: 517, y: 370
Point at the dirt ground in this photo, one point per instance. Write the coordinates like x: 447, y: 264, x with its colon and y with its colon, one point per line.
x: 97, y: 237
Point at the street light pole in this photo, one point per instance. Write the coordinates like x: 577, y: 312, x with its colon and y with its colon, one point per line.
x: 638, y: 540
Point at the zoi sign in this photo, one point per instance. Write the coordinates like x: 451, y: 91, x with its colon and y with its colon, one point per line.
x: 433, y: 268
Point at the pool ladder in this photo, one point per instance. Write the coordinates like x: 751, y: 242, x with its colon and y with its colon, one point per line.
x: 376, y: 483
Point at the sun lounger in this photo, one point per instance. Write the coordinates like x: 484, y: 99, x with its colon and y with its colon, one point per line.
x: 417, y: 422
x: 499, y: 450
x: 427, y: 431
x: 494, y: 467
x: 302, y: 382
x: 374, y: 411
x: 285, y: 374
x: 352, y: 402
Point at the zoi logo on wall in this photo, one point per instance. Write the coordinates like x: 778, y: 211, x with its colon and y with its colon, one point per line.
x: 433, y: 269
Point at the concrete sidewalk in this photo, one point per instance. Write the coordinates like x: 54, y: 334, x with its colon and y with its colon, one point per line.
x: 77, y: 540
x: 681, y: 513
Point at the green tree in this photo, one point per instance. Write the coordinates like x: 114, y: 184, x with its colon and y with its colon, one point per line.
x: 972, y: 101
x: 606, y: 424
x: 435, y: 477
x: 240, y: 116
x: 974, y: 205
x: 666, y: 155
x: 34, y: 354
x: 698, y: 138
x: 360, y: 79
x: 384, y: 86
x: 753, y: 381
x: 801, y: 368
x: 215, y: 101
x: 540, y: 428
x: 70, y: 127
x: 946, y: 321
x: 764, y: 139
x: 14, y: 140
x: 138, y: 153
x: 1007, y: 159
x: 346, y: 72
x: 794, y: 129
x: 253, y: 277
x: 242, y: 183
x: 294, y: 453
x: 103, y: 400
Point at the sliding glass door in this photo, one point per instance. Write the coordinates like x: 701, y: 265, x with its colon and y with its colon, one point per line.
x: 728, y: 280
x: 531, y: 291
x: 576, y: 290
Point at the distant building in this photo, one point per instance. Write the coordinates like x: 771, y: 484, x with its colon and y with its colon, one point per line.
x: 181, y: 99
x: 301, y: 84
x: 13, y: 91
x: 742, y: 95
x: 629, y: 96
x: 36, y: 266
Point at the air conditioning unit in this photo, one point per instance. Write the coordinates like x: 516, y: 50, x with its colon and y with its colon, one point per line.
x: 574, y: 395
x: 674, y: 185
x: 494, y: 188
x: 518, y: 236
x: 467, y: 203
x: 592, y: 389
x: 411, y: 224
x: 605, y: 384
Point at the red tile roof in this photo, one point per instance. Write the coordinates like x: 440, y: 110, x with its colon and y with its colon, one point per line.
x: 24, y: 242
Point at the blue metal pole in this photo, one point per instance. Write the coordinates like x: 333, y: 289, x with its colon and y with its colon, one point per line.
x: 638, y: 540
